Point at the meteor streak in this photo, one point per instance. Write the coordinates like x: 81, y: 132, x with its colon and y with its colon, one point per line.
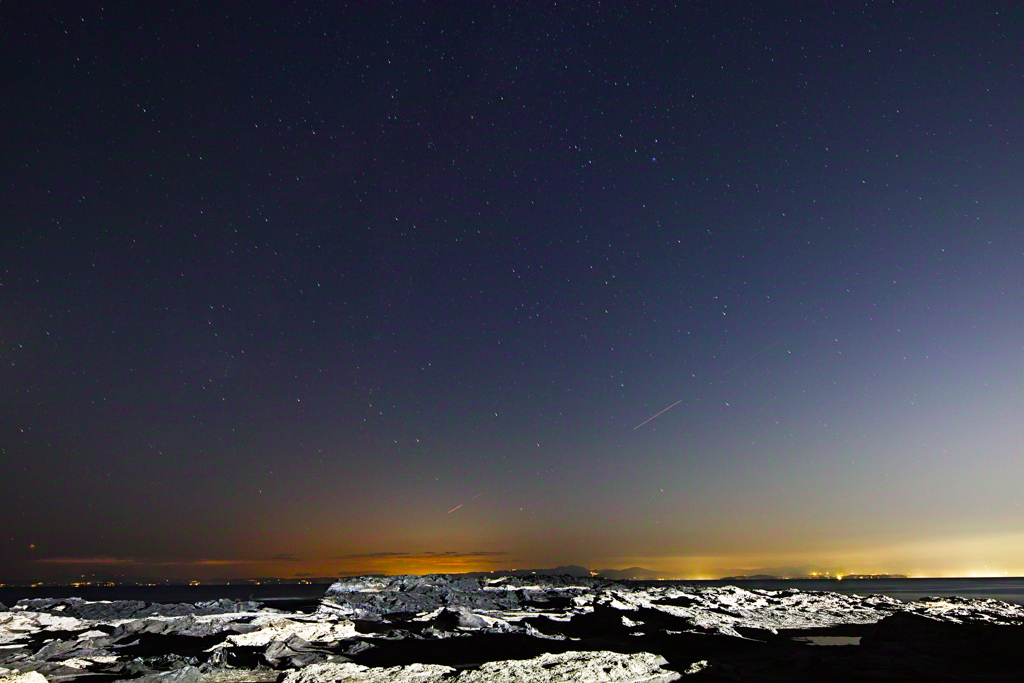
x: 751, y: 358
x: 461, y: 504
x: 742, y: 362
x: 656, y: 415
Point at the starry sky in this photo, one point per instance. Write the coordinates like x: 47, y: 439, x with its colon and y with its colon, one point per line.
x: 293, y: 289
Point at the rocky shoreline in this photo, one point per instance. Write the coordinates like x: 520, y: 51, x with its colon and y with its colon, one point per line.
x: 438, y: 628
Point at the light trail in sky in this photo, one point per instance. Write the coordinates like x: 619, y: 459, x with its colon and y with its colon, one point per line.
x: 656, y: 415
x: 747, y: 360
x: 461, y: 504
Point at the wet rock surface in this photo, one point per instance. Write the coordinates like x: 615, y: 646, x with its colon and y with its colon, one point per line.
x: 445, y: 628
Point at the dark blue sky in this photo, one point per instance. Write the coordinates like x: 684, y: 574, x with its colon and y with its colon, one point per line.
x: 281, y: 285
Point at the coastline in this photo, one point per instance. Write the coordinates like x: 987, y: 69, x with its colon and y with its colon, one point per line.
x: 556, y: 629
x: 296, y: 597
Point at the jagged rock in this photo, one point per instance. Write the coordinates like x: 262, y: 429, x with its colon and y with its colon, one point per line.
x: 376, y: 597
x: 13, y: 653
x: 187, y: 625
x: 224, y: 606
x: 131, y: 609
x: 724, y: 632
x: 19, y: 625
x: 495, y: 605
x: 356, y: 673
x: 19, y: 677
x: 276, y: 628
x: 186, y: 674
x: 55, y: 648
x: 294, y: 652
x: 967, y: 611
x: 466, y: 619
x: 297, y: 653
x: 240, y: 676
x: 575, y: 667
x: 170, y: 662
x: 357, y: 647
x: 569, y: 667
x: 218, y: 659
x: 83, y: 609
x: 434, y: 632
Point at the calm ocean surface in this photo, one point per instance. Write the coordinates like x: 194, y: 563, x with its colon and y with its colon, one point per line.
x: 305, y: 597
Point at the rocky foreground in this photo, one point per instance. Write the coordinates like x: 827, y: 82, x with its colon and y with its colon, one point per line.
x: 433, y: 629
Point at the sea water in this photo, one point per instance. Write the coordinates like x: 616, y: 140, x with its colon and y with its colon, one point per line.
x: 289, y: 597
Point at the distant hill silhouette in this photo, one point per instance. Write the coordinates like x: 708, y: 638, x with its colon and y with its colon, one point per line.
x: 750, y: 577
x: 765, y: 573
x: 633, y: 573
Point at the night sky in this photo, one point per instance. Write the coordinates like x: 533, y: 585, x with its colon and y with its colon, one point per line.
x: 301, y: 289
